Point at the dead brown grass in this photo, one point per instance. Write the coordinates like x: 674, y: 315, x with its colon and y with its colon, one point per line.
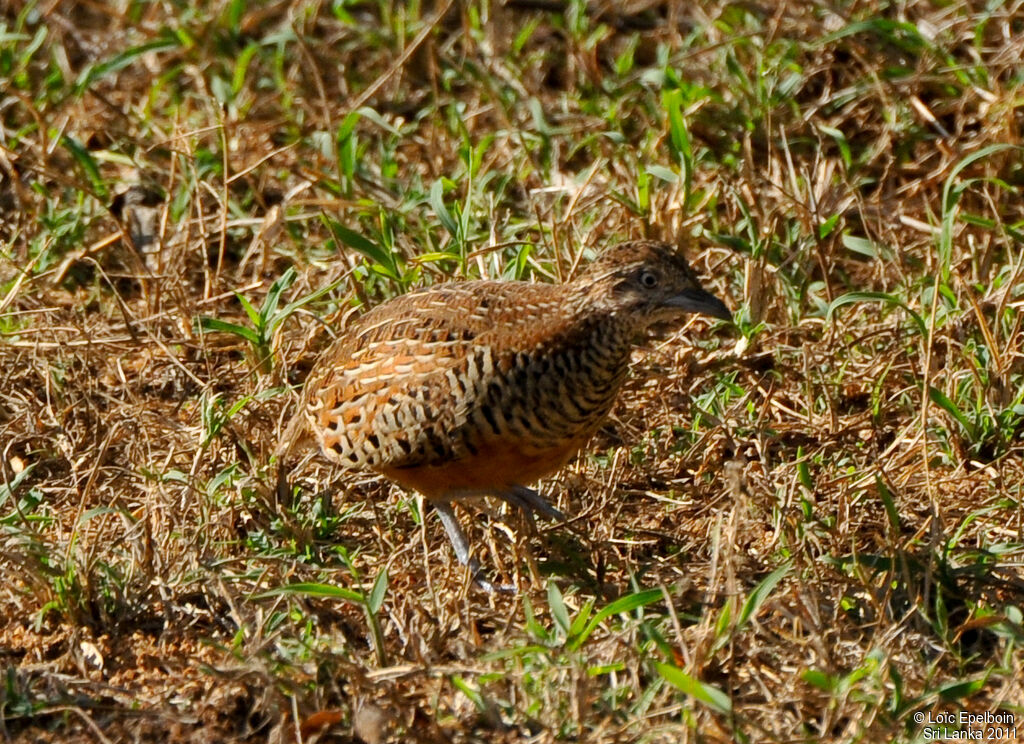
x: 137, y: 547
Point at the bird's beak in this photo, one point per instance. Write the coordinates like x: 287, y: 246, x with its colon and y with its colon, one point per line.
x: 697, y: 300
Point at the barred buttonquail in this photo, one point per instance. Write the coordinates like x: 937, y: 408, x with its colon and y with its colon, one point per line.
x: 482, y: 387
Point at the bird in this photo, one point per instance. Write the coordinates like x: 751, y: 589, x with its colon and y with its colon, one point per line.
x: 481, y: 388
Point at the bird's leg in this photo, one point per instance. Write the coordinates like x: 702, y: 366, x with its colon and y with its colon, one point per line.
x: 522, y: 505
x: 530, y: 501
x: 461, y: 546
x: 454, y: 530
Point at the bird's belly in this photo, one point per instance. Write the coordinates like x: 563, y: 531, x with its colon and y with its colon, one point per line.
x: 493, y: 467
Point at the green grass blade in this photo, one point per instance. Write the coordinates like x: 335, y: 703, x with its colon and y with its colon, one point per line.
x: 294, y: 305
x: 709, y: 695
x: 940, y: 399
x: 438, y: 205
x: 308, y: 589
x: 951, y: 191
x: 360, y: 243
x: 889, y: 503
x: 119, y: 61
x: 269, y: 308
x: 851, y: 298
x: 760, y: 595
x: 377, y: 594
x: 88, y: 165
x: 558, y: 609
x: 251, y: 311
x: 623, y: 604
x: 207, y: 323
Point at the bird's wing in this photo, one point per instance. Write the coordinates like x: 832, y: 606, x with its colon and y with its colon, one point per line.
x: 397, y: 384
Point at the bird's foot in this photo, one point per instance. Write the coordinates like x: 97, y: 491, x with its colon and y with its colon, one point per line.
x: 488, y: 586
x: 530, y: 502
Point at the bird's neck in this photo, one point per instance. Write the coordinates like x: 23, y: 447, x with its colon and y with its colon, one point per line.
x: 600, y: 336
x: 594, y: 311
x: 611, y: 335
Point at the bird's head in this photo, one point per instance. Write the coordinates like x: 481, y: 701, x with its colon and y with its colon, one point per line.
x: 650, y: 281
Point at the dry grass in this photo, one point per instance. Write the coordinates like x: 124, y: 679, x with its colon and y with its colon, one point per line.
x: 810, y: 526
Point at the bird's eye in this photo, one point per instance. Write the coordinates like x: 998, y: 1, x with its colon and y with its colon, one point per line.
x: 649, y: 279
